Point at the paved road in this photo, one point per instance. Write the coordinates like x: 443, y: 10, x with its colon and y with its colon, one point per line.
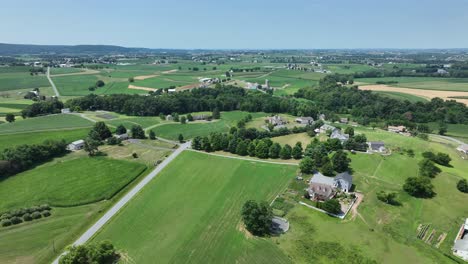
x: 52, y: 83
x: 124, y: 200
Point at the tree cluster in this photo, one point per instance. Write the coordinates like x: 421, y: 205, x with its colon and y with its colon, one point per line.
x: 316, y: 157
x: 257, y: 217
x: 439, y: 158
x: 420, y: 187
x: 462, y: 185
x: 388, y: 197
x: 96, y: 253
x: 42, y: 108
x: 15, y: 217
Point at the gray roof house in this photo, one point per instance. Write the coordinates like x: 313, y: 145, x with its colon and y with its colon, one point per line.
x: 376, y: 146
x: 338, y: 135
x: 327, y: 127
x: 305, y: 120
x: 76, y: 145
x: 460, y: 247
x: 276, y: 120
x: 324, y: 188
x: 122, y: 136
x: 463, y: 148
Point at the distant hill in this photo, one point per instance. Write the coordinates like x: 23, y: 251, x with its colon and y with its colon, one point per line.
x: 14, y: 49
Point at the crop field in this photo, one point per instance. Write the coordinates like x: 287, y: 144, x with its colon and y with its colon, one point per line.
x: 348, y: 68
x: 147, y: 153
x: 426, y: 83
x: 68, y: 183
x: 13, y: 105
x: 385, y: 233
x: 51, y: 122
x: 64, y: 70
x: 402, y: 96
x: 201, y: 128
x: 143, y: 121
x: 191, y: 212
x: 15, y: 139
x: 21, y: 80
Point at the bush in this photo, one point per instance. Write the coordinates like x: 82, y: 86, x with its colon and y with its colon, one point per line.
x: 45, y: 207
x: 332, y: 206
x: 6, y: 222
x: 5, y: 216
x: 46, y: 213
x: 27, y: 217
x: 36, y: 215
x: 99, y: 253
x: 420, y: 187
x: 16, y: 220
x: 462, y: 185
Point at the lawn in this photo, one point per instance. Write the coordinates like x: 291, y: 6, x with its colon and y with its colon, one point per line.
x: 292, y: 139
x: 50, y: 122
x: 201, y: 128
x: 428, y: 83
x: 11, y: 140
x: 67, y: 183
x: 143, y: 121
x: 191, y: 213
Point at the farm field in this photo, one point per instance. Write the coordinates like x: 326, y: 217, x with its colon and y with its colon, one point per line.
x: 458, y: 131
x: 13, y: 105
x: 162, y: 222
x: 426, y: 83
x: 21, y: 79
x: 65, y: 70
x: 12, y: 140
x: 51, y: 122
x: 68, y: 182
x: 402, y: 96
x: 201, y: 128
x: 148, y: 151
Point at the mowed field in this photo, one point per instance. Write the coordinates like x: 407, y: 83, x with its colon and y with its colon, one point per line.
x: 13, y: 78
x: 191, y: 213
x: 50, y: 122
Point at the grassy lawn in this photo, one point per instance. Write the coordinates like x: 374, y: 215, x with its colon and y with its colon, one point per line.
x: 459, y: 131
x: 128, y: 122
x: 11, y: 140
x: 429, y: 83
x: 191, y: 213
x: 67, y: 183
x: 60, y: 121
x: 292, y: 139
x: 147, y: 155
x: 201, y: 128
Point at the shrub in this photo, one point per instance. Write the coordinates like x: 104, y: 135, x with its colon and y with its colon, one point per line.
x: 46, y: 213
x: 420, y: 187
x: 16, y: 220
x: 134, y: 155
x: 36, y: 215
x: 5, y: 216
x: 6, y: 222
x: 27, y: 217
x: 462, y: 185
x: 332, y: 206
x: 45, y: 207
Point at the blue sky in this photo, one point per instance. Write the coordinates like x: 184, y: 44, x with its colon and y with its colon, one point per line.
x: 252, y: 24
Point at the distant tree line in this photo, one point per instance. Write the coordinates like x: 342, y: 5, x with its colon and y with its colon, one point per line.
x: 20, y: 158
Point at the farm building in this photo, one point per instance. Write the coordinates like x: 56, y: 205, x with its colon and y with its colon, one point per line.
x: 76, y: 145
x: 169, y: 118
x: 376, y: 146
x: 304, y: 120
x: 338, y: 135
x: 325, y: 128
x: 276, y: 120
x: 396, y: 129
x: 201, y: 117
x: 65, y: 111
x: 344, y: 120
x: 324, y: 188
x: 122, y: 136
x: 463, y: 148
x: 460, y: 247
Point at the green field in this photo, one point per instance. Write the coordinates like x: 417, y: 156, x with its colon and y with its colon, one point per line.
x: 201, y: 128
x: 64, y: 70
x: 19, y: 78
x: 402, y: 96
x: 458, y: 131
x: 67, y: 183
x: 13, y: 105
x: 191, y: 213
x: 429, y: 83
x: 51, y: 122
x: 12, y: 140
x: 143, y: 121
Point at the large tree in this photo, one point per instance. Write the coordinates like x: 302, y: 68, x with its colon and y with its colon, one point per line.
x: 91, y: 146
x: 307, y: 165
x: 120, y: 129
x: 285, y: 152
x: 138, y: 132
x: 97, y: 253
x: 419, y: 187
x: 340, y: 161
x: 275, y: 150
x: 102, y: 130
x: 257, y: 217
x: 428, y: 168
x: 332, y: 206
x: 462, y: 185
x: 10, y: 118
x: 296, y: 152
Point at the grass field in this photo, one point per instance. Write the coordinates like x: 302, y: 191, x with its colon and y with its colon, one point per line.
x: 191, y: 213
x: 292, y: 139
x: 21, y: 80
x: 67, y: 183
x: 428, y: 83
x: 459, y: 131
x: 51, y: 122
x: 202, y: 128
x: 13, y: 105
x: 64, y: 70
x: 402, y: 96
x: 11, y: 140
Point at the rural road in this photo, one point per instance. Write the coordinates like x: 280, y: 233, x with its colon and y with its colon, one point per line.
x: 52, y: 83
x: 450, y: 138
x: 241, y: 158
x: 124, y: 200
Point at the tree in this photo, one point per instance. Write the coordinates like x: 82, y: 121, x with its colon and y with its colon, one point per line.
x: 189, y: 118
x: 442, y: 128
x: 205, y: 144
x: 262, y: 150
x: 462, y: 185
x: 113, y: 141
x: 332, y: 206
x: 91, y: 146
x: 349, y: 131
x: 216, y: 114
x: 100, y: 83
x: 274, y: 151
x: 428, y: 168
x: 197, y: 143
x: 137, y: 132
x: 297, y: 151
x: 131, y: 79
x: 242, y: 147
x: 420, y: 187
x: 251, y: 148
x: 10, y: 118
x: 389, y: 198
x: 442, y: 159
x: 327, y: 169
x: 257, y: 217
x: 100, y: 253
x: 334, y: 144
x: 152, y: 135
x: 285, y: 152
x: 183, y: 120
x: 180, y: 138
x: 120, y: 129
x: 102, y: 131
x: 340, y: 161
x: 307, y: 165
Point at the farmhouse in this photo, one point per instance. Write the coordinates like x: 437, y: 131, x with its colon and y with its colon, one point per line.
x: 276, y: 120
x: 338, y: 135
x: 324, y: 188
x: 463, y: 148
x: 305, y: 120
x: 169, y: 118
x: 460, y: 247
x: 65, y: 111
x: 122, y: 136
x: 201, y: 117
x: 344, y: 120
x: 325, y: 128
x: 376, y: 146
x: 76, y: 145
x: 396, y: 129
x: 321, y: 117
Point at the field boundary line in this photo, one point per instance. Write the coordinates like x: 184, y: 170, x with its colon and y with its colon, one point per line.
x: 242, y: 158
x: 52, y: 83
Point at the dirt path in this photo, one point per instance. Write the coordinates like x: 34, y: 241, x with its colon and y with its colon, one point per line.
x: 429, y: 94
x: 86, y: 71
x: 144, y: 77
x: 130, y: 86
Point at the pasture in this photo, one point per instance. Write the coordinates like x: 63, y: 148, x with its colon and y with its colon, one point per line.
x: 50, y: 122
x: 426, y: 83
x: 64, y: 182
x: 191, y: 212
x: 20, y: 78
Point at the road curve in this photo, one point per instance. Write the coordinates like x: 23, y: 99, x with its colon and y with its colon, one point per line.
x: 124, y: 200
x: 52, y: 83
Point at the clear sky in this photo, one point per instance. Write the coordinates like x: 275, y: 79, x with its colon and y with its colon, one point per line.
x: 251, y: 24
